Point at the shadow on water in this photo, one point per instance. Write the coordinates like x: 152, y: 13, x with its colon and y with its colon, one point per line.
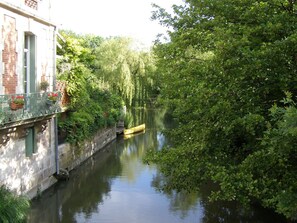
x: 115, y: 186
x: 86, y: 188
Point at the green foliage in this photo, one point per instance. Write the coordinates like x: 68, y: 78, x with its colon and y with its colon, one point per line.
x: 273, y: 169
x: 101, y: 111
x: 223, y: 75
x: 91, y: 107
x: 13, y: 209
x: 128, y: 121
x: 97, y: 72
x: 124, y: 70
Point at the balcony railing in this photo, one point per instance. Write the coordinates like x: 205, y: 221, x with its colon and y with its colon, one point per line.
x: 20, y: 107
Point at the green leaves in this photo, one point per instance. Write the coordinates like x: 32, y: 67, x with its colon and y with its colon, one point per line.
x: 124, y: 70
x: 91, y: 107
x: 224, y: 74
x: 13, y: 209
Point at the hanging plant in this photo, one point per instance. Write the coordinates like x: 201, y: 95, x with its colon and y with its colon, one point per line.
x: 44, y: 85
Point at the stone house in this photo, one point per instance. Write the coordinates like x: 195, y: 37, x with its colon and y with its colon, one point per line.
x: 29, y: 101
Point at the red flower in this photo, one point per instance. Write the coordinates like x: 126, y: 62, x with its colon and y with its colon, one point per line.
x: 19, y: 99
x: 53, y: 96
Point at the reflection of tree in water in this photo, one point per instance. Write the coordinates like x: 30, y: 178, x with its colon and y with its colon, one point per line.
x: 134, y: 150
x: 91, y: 183
x: 153, y: 118
x: 136, y: 147
x: 180, y: 202
x: 233, y: 212
x: 85, y: 197
x: 183, y: 202
x: 217, y: 211
x: 82, y: 193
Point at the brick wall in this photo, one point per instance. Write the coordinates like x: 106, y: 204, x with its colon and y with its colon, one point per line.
x: 32, y: 3
x: 9, y: 55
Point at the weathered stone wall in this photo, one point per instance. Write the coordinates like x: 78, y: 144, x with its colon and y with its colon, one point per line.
x: 25, y: 174
x: 71, y: 157
x: 28, y: 174
x: 34, y: 174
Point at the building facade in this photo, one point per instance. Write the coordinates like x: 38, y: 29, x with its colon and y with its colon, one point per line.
x: 29, y: 101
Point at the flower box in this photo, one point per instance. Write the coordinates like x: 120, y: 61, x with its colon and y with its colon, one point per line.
x: 14, y: 106
x: 53, y: 96
x: 17, y: 102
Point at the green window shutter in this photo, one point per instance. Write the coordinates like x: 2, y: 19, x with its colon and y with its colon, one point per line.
x: 34, y: 140
x: 32, y: 63
x: 31, y: 142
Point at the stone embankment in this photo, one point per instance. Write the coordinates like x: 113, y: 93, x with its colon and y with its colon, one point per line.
x: 72, y: 156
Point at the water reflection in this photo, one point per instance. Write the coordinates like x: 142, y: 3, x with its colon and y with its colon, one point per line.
x: 88, y: 186
x: 115, y: 186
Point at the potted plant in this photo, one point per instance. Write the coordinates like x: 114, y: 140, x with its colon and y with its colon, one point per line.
x: 44, y: 85
x: 52, y: 98
x: 17, y: 102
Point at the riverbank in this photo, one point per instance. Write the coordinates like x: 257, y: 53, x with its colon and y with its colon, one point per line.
x: 115, y: 185
x: 70, y: 156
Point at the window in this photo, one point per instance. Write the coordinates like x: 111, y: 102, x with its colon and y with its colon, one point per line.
x: 29, y: 63
x: 32, y: 3
x: 31, y: 142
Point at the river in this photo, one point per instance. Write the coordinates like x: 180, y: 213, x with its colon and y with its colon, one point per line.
x: 115, y: 186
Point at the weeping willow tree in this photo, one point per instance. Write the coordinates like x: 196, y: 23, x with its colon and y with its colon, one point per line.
x: 125, y: 70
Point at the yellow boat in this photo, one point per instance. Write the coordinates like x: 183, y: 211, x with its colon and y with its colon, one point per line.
x: 135, y: 129
x: 133, y: 135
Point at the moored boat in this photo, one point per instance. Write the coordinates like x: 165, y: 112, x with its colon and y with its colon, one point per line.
x: 135, y: 129
x: 129, y: 136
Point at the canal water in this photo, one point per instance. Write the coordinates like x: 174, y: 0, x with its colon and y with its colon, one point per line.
x: 115, y: 186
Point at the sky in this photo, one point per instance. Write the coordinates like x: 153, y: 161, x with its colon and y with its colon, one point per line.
x: 105, y: 18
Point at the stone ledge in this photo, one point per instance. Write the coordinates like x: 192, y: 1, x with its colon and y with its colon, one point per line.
x: 71, y: 157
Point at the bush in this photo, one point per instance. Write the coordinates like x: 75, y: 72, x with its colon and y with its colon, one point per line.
x: 13, y: 209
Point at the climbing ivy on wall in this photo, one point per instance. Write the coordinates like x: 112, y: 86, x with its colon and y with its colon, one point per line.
x: 92, y: 107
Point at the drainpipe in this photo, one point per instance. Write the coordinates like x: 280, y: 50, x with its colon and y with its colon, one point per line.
x: 55, y: 118
x: 56, y: 145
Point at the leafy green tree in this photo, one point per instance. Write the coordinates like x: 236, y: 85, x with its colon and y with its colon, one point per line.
x: 124, y: 70
x: 13, y: 209
x: 226, y: 64
x: 88, y: 112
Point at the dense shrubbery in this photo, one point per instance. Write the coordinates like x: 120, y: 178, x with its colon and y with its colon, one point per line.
x: 225, y: 73
x: 85, y: 121
x: 92, y: 107
x: 13, y: 209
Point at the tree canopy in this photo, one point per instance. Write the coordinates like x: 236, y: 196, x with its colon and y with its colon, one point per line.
x: 229, y: 77
x: 101, y: 76
x: 125, y: 70
x: 91, y: 106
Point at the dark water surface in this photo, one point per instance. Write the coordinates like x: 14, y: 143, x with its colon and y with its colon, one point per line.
x: 115, y: 186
